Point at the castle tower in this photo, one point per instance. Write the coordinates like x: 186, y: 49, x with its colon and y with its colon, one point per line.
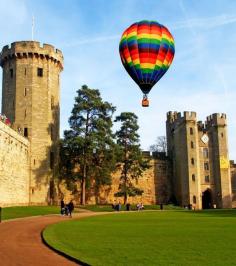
x: 30, y: 99
x: 182, y: 139
x: 200, y: 163
x: 216, y: 126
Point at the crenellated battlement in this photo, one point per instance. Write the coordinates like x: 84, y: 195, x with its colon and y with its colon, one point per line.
x: 201, y: 126
x: 216, y: 119
x: 25, y: 49
x: 232, y: 164
x: 190, y: 115
x: 171, y: 116
x: 10, y: 136
x: 175, y: 116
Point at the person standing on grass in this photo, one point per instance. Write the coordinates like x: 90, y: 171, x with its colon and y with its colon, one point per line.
x: 62, y: 207
x: 119, y: 206
x: 70, y: 207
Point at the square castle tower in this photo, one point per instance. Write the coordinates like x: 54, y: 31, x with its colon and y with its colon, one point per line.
x: 200, y: 162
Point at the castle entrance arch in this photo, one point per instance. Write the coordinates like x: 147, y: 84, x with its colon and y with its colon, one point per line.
x: 207, y: 199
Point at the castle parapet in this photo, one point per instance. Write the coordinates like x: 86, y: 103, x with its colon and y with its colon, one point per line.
x: 201, y: 126
x: 146, y: 154
x: 12, y: 135
x: 232, y: 164
x: 173, y: 117
x: 26, y: 49
x: 216, y: 119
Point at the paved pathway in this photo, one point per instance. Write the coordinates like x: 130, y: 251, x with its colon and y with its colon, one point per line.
x: 21, y: 244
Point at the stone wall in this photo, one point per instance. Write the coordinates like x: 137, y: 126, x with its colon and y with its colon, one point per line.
x: 233, y: 182
x: 155, y: 183
x: 14, y: 167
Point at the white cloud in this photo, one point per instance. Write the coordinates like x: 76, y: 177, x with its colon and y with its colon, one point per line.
x: 206, y: 23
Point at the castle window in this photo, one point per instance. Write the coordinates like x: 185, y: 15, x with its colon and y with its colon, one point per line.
x: 25, y: 92
x: 207, y: 179
x: 192, y: 161
x: 191, y: 131
x: 206, y: 166
x: 26, y: 132
x: 205, y: 152
x: 222, y: 135
x: 192, y: 144
x: 11, y: 73
x: 51, y: 132
x: 25, y: 113
x: 194, y: 200
x: 40, y: 72
x: 193, y: 177
x: 51, y: 159
x: 52, y: 102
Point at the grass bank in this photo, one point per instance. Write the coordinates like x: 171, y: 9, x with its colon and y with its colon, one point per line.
x: 149, y: 238
x: 26, y: 211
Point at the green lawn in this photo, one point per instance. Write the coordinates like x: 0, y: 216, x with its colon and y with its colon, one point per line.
x: 107, y: 208
x: 149, y: 238
x: 25, y: 211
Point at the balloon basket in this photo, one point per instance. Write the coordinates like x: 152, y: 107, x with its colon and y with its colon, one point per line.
x: 145, y: 102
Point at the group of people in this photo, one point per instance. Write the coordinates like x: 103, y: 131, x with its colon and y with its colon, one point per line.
x: 4, y: 119
x: 140, y: 206
x: 67, y: 209
x: 117, y: 206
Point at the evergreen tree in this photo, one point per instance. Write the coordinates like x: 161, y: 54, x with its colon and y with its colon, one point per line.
x: 88, y: 147
x: 131, y: 161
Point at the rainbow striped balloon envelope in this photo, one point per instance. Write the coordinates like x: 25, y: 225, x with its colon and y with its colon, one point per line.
x: 146, y: 50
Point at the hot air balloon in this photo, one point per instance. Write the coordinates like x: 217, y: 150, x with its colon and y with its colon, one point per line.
x: 146, y: 50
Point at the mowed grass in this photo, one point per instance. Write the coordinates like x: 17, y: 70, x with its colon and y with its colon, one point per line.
x: 108, y: 208
x: 149, y: 238
x: 26, y: 211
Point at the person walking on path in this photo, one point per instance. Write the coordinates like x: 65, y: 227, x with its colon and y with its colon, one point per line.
x: 70, y: 207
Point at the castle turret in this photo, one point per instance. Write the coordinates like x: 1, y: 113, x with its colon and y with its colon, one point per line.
x: 216, y: 126
x: 30, y: 99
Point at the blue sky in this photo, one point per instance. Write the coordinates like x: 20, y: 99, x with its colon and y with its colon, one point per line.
x: 201, y: 78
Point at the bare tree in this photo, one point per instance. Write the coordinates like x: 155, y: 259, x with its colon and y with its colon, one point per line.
x: 160, y: 145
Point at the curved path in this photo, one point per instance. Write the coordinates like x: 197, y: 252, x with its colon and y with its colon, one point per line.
x: 21, y: 244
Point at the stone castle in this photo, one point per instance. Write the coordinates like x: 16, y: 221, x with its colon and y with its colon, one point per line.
x: 30, y: 99
x: 196, y: 171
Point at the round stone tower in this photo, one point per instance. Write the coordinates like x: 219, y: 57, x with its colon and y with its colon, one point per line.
x: 31, y: 100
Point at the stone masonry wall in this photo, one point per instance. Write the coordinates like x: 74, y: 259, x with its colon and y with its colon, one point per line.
x: 14, y: 167
x: 154, y: 182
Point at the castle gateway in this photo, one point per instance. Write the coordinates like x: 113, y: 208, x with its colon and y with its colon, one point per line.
x: 196, y: 170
